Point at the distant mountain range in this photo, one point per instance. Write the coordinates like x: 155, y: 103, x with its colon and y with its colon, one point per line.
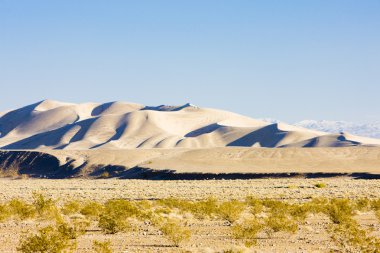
x: 52, y: 124
x: 362, y: 129
x: 371, y: 129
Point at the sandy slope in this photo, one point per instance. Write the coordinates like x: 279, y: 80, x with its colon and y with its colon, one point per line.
x: 196, y: 163
x: 119, y: 125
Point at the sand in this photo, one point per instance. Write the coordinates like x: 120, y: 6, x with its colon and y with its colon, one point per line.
x: 120, y: 125
x: 228, y: 163
x: 207, y: 235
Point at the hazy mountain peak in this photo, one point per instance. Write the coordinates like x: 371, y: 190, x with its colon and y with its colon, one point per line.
x: 362, y: 129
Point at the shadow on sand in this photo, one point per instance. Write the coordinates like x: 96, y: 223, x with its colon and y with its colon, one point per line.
x: 41, y: 165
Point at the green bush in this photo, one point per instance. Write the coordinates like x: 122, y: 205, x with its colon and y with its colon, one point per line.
x: 92, y: 209
x: 45, y: 207
x: 21, y: 209
x: 375, y: 204
x: 200, y: 209
x: 351, y: 238
x: 102, y: 247
x: 71, y: 207
x: 255, y: 205
x: 204, y: 208
x: 175, y: 232
x: 339, y: 210
x: 231, y: 210
x: 247, y: 231
x: 299, y: 212
x: 120, y: 207
x: 47, y: 240
x: 320, y: 185
x: 112, y: 224
x: 277, y: 222
x: 233, y: 251
x: 105, y: 174
x: 362, y: 204
x: 74, y: 230
x: 4, y: 212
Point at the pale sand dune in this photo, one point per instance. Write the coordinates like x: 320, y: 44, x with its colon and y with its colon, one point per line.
x: 118, y: 125
x: 233, y: 159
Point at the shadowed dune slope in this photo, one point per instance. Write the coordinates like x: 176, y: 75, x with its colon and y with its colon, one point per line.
x: 176, y: 163
x: 118, y: 125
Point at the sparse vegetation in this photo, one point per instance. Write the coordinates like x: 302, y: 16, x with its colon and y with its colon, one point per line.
x: 247, y: 231
x: 105, y: 174
x: 231, y: 210
x: 71, y: 207
x: 248, y: 219
x: 277, y: 222
x: 175, y: 231
x: 92, y: 209
x: 4, y: 212
x: 48, y: 239
x: 102, y: 247
x: 21, y: 209
x: 339, y: 210
x: 45, y: 207
x: 320, y: 185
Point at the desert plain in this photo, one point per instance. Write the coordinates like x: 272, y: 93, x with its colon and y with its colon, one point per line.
x: 293, y: 176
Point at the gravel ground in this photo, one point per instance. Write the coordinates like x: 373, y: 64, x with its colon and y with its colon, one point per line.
x: 207, y: 235
x: 297, y: 189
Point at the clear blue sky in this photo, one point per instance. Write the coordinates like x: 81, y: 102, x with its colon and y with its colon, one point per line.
x: 289, y: 60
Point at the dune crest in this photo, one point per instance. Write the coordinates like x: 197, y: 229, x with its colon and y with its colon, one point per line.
x: 120, y: 125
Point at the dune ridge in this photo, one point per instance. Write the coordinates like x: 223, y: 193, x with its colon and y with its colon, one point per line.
x: 52, y: 124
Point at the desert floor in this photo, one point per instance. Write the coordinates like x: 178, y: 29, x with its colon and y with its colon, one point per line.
x: 207, y: 235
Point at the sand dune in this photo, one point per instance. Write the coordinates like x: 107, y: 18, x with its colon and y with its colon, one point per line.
x: 196, y: 163
x: 118, y: 125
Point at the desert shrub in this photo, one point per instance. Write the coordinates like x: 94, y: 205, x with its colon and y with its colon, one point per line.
x: 163, y: 210
x: 4, y: 212
x: 339, y: 210
x: 21, y: 209
x: 80, y: 224
x: 231, y: 210
x: 200, y: 209
x: 255, y: 205
x: 144, y: 204
x: 316, y: 205
x: 11, y: 171
x: 71, y: 207
x: 105, y: 174
x: 232, y: 251
x: 173, y: 203
x: 362, y: 204
x: 320, y: 185
x: 74, y: 229
x: 351, y: 238
x: 204, y: 208
x: 102, y: 247
x: 48, y: 239
x: 375, y: 204
x: 112, y: 224
x: 92, y: 209
x: 120, y: 207
x: 45, y: 207
x: 277, y: 222
x: 247, y: 231
x: 299, y: 212
x: 175, y: 231
x: 276, y: 205
x: 67, y: 231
